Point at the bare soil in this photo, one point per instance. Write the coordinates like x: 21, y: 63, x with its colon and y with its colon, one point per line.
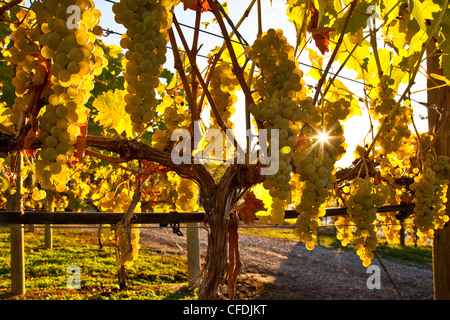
x: 284, y: 269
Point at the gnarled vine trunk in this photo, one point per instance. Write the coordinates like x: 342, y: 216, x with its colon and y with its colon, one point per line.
x: 218, y: 204
x: 216, y: 256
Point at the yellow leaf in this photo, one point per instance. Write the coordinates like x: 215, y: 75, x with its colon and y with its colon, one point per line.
x: 423, y: 11
x: 111, y: 113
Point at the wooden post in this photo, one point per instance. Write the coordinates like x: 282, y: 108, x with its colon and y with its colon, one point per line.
x: 17, y: 239
x: 193, y: 251
x: 441, y: 242
x: 48, y: 231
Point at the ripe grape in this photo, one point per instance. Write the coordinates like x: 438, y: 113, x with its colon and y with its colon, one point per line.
x: 430, y: 195
x: 73, y: 58
x: 187, y: 196
x: 279, y: 90
x: 362, y: 202
x: 146, y: 41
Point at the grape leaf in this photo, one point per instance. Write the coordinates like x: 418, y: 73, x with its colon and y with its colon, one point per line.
x: 316, y: 63
x: 111, y: 112
x: 247, y: 210
x: 321, y: 38
x: 423, y: 11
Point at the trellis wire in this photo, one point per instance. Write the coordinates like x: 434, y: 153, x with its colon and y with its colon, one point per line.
x: 110, y: 31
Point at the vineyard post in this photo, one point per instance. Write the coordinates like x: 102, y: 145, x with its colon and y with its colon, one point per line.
x: 438, y: 119
x: 48, y: 236
x: 17, y: 238
x: 193, y: 252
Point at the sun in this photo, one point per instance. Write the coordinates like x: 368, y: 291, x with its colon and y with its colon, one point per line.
x: 323, y: 137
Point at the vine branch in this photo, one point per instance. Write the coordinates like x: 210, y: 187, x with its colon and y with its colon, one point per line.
x: 335, y: 52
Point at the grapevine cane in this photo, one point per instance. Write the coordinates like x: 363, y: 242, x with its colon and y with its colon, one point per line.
x: 204, y: 86
x: 335, y: 52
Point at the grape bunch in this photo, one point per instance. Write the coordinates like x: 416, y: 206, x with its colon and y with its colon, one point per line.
x: 187, y: 196
x: 430, y: 196
x: 146, y: 22
x: 119, y: 202
x: 277, y: 209
x: 315, y: 165
x: 395, y: 142
x: 74, y: 62
x: 316, y: 172
x: 223, y: 85
x: 112, y: 202
x: 125, y: 256
x: 281, y: 102
x: 345, y: 232
x: 174, y: 118
x: 28, y: 71
x: 362, y: 202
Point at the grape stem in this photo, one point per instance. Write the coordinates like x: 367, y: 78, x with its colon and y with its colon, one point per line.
x: 179, y: 67
x: 238, y: 71
x: 387, y: 273
x: 8, y: 6
x: 204, y: 86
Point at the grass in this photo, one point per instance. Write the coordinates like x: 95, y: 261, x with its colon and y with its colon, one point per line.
x: 153, y: 276
x: 420, y: 255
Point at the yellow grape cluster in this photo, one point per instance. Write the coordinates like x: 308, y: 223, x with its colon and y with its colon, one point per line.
x: 345, y: 229
x: 115, y: 202
x: 363, y: 200
x: 146, y: 22
x: 277, y: 209
x: 315, y: 166
x: 119, y: 202
x: 395, y: 141
x: 281, y: 101
x: 125, y: 256
x: 390, y: 226
x: 315, y: 169
x: 430, y: 196
x: 75, y: 61
x: 174, y: 118
x: 223, y: 85
x: 187, y: 196
x: 28, y: 70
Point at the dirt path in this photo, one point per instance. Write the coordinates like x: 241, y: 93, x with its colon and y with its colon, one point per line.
x: 284, y: 269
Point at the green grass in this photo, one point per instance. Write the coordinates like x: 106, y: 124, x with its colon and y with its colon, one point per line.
x: 153, y: 276
x: 408, y: 254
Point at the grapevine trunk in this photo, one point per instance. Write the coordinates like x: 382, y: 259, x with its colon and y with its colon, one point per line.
x: 216, y: 256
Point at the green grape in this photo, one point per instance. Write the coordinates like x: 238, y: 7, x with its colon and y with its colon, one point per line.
x: 186, y: 200
x: 144, y: 21
x: 75, y: 59
x: 362, y: 203
x: 430, y: 196
x: 279, y: 91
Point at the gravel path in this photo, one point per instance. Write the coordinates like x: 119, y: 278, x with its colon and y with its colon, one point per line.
x: 284, y: 269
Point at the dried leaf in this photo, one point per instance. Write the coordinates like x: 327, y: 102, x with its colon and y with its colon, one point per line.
x: 247, y: 210
x: 234, y: 260
x: 31, y: 134
x: 196, y: 5
x: 320, y: 36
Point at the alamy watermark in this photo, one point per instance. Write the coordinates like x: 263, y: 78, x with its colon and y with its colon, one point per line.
x: 73, y: 21
x: 74, y: 280
x: 267, y: 152
x: 374, y: 280
x: 374, y: 11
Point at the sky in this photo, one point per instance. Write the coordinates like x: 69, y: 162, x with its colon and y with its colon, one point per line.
x: 273, y: 16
